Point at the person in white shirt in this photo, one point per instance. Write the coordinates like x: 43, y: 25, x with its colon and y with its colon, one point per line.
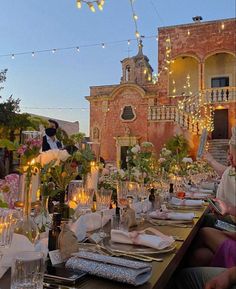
x: 227, y: 187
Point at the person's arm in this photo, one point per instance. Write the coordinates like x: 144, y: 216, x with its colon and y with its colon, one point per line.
x: 226, y: 208
x: 223, y: 281
x: 218, y: 167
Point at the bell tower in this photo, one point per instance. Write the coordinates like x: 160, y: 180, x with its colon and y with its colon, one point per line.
x: 137, y: 68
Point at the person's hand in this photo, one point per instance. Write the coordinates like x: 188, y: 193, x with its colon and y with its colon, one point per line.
x: 221, y: 281
x: 222, y: 206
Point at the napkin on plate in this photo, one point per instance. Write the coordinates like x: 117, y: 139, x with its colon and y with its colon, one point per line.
x: 114, y: 268
x: 169, y: 215
x: 158, y: 241
x: 90, y: 222
x: 202, y: 190
x: 190, y: 203
x: 208, y: 185
x: 197, y: 195
x: 140, y: 207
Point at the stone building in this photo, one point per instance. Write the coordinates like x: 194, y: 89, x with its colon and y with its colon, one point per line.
x: 196, y: 89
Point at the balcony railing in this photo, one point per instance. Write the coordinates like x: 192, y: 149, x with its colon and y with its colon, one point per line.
x: 183, y: 113
x: 172, y: 113
x: 221, y: 94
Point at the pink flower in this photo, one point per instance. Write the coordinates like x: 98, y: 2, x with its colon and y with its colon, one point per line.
x: 22, y: 149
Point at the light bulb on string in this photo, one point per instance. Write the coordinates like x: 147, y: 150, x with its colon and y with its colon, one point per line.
x: 54, y: 50
x: 128, y: 42
x: 79, y: 4
x: 33, y: 54
x: 137, y: 34
x: 100, y: 6
x: 91, y: 7
x: 135, y: 17
x: 78, y: 49
x: 103, y: 45
x: 13, y: 56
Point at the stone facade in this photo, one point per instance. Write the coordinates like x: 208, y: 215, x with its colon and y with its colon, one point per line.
x: 137, y: 110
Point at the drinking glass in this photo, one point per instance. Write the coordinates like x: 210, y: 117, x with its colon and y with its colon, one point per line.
x: 103, y: 199
x: 27, y: 270
x: 7, y: 222
x: 75, y: 186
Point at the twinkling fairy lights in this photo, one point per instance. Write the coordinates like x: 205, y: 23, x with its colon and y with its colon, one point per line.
x: 91, y: 4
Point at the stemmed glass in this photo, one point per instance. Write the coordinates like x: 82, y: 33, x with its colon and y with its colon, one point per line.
x: 103, y: 199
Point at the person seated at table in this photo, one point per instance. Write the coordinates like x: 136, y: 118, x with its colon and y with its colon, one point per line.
x: 206, y: 278
x: 49, y: 140
x: 214, y: 252
x: 227, y: 187
x: 213, y: 247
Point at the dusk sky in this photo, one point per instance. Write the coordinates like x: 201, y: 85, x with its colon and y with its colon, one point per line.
x: 62, y: 79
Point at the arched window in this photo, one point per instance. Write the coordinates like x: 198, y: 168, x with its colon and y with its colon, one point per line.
x: 127, y: 73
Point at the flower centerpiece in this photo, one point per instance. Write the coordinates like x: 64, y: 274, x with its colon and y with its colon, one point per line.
x: 28, y: 152
x: 141, y: 163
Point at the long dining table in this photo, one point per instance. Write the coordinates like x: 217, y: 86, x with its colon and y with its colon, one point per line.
x: 161, y: 272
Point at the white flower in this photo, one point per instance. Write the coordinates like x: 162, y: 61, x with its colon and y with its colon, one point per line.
x: 187, y: 160
x: 121, y: 173
x: 165, y: 152
x: 147, y: 144
x: 161, y: 160
x: 135, y: 149
x: 136, y: 173
x: 50, y: 155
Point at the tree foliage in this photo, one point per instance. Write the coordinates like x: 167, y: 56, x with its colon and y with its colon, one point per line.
x: 11, y: 120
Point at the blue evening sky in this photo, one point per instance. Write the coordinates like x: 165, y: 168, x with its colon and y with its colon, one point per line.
x: 62, y: 80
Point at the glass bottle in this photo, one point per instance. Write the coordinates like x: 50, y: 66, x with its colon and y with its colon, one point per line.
x: 54, y: 232
x: 171, y: 189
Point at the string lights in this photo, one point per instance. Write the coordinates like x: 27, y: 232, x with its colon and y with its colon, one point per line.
x: 76, y: 48
x: 55, y: 108
x: 135, y: 18
x: 91, y: 4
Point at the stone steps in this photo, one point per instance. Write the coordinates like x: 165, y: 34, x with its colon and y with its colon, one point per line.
x: 218, y: 148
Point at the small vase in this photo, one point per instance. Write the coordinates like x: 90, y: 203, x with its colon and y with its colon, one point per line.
x: 26, y: 226
x: 43, y: 219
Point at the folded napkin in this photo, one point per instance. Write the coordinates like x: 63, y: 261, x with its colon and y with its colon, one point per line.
x: 117, y: 269
x: 202, y: 190
x: 158, y: 241
x: 197, y: 195
x: 90, y: 222
x: 141, y: 207
x: 207, y: 191
x: 190, y: 203
x: 208, y: 185
x: 169, y: 215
